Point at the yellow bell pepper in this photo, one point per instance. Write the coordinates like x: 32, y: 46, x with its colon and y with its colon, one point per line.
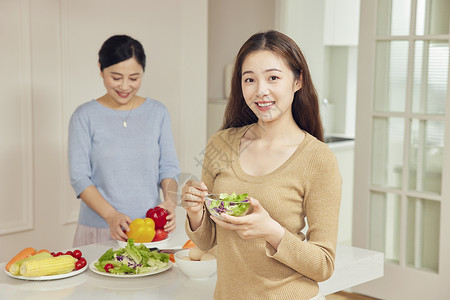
x: 142, y: 230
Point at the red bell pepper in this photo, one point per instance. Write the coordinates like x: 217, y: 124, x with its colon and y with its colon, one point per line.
x: 157, y: 214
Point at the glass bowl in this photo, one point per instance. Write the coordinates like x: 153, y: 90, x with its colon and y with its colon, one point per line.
x: 216, y: 206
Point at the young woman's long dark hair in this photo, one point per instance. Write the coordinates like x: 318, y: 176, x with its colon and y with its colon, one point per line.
x: 305, y: 106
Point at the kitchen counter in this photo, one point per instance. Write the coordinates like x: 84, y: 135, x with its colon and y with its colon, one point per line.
x: 339, y: 142
x: 353, y: 266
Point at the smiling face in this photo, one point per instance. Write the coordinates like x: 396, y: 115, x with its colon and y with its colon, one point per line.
x: 122, y: 81
x: 268, y: 86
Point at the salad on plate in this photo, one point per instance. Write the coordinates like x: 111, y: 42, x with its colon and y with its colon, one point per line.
x: 131, y: 259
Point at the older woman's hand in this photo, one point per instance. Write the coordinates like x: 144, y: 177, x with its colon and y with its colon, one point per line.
x: 169, y: 206
x: 118, y: 225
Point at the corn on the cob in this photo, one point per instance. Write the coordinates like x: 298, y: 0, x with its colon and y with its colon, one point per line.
x: 15, y: 267
x: 48, y: 266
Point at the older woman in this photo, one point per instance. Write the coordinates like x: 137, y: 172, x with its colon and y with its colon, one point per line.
x: 121, y: 151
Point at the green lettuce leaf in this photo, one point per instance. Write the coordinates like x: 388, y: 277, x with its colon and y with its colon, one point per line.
x: 233, y: 197
x: 108, y: 255
x: 133, y: 251
x: 122, y: 269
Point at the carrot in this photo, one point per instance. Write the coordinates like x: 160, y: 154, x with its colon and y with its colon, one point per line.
x: 189, y: 244
x: 21, y: 255
x: 42, y: 250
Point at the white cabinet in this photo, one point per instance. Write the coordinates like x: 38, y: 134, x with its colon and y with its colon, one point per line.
x: 341, y: 23
x: 344, y: 152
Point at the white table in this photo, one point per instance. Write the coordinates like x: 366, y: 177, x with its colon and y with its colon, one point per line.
x: 353, y: 266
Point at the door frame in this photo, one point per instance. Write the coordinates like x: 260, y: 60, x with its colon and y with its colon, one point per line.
x: 399, y: 282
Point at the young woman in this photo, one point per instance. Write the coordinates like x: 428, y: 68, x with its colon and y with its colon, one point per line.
x: 121, y: 150
x: 271, y: 148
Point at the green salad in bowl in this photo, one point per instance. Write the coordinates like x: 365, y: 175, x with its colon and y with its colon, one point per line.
x: 232, y: 204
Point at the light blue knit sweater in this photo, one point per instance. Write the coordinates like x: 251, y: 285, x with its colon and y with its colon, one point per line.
x: 125, y: 164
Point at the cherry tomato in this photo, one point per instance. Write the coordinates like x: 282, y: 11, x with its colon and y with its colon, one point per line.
x: 59, y: 253
x: 160, y: 235
x: 108, y: 267
x: 158, y: 214
x: 78, y: 265
x: 77, y: 254
x: 53, y: 254
x: 82, y: 261
x: 69, y: 253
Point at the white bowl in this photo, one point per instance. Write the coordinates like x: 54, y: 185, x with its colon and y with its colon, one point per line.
x: 159, y: 244
x: 195, y: 269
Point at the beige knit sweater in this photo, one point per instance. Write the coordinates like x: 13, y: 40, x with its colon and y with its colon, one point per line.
x: 306, y: 186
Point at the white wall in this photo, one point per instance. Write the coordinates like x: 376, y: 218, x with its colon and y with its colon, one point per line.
x: 49, y: 67
x: 230, y: 24
x: 302, y: 20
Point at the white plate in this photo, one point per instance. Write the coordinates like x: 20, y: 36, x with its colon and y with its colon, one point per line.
x: 148, y: 245
x: 95, y: 270
x: 50, y: 277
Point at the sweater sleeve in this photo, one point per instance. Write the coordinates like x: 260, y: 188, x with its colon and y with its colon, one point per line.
x: 314, y: 257
x: 205, y: 236
x: 79, y: 153
x: 168, y: 161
